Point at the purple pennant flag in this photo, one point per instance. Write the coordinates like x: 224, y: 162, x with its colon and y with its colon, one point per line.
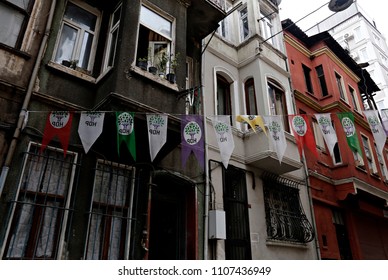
x: 192, y: 135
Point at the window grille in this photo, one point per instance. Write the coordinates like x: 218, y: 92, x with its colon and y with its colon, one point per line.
x: 42, y: 207
x: 285, y: 217
x: 109, y: 217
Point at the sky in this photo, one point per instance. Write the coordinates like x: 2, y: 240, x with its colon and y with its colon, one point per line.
x: 297, y: 9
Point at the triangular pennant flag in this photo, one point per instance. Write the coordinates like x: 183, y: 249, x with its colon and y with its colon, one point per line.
x: 224, y: 137
x: 277, y: 136
x: 192, y: 138
x: 253, y: 121
x: 90, y: 128
x: 347, y: 122
x: 157, y: 133
x: 126, y: 132
x: 378, y: 132
x: 303, y: 133
x: 384, y: 117
x: 57, y: 124
x: 328, y: 132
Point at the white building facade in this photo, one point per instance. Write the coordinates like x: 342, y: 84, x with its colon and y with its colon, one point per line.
x: 266, y: 204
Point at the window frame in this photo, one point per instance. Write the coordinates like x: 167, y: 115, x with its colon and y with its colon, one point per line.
x: 244, y: 23
x: 63, y: 210
x: 341, y: 87
x: 322, y: 80
x: 353, y: 96
x: 307, y: 79
x: 274, y: 108
x: 369, y: 154
x: 319, y: 140
x: 110, y: 216
x: 226, y: 108
x: 77, y: 49
x: 111, y: 44
x: 250, y: 97
x: 25, y: 12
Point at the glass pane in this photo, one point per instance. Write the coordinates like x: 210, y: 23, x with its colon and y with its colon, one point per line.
x: 85, y: 19
x: 10, y: 22
x: 66, y: 44
x: 116, y: 16
x: 112, y: 49
x: 86, y: 49
x: 156, y: 22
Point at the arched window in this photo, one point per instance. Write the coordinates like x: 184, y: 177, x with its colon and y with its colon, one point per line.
x: 224, y: 106
x: 250, y: 97
x: 277, y: 100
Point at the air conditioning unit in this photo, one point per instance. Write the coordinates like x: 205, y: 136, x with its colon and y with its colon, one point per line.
x: 348, y: 36
x: 354, y: 56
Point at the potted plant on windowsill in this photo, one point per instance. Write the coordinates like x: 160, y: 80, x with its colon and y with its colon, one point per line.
x: 162, y: 64
x: 174, y: 63
x: 142, y: 63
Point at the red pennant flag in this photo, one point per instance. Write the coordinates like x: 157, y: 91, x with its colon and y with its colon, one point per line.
x: 303, y: 133
x: 57, y: 124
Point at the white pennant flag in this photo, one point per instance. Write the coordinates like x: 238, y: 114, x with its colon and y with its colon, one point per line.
x: 377, y: 129
x: 276, y: 132
x: 328, y: 132
x: 157, y: 133
x: 90, y: 128
x: 224, y: 137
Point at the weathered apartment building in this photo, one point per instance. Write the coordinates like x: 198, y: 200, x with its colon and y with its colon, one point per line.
x: 348, y: 179
x: 64, y: 58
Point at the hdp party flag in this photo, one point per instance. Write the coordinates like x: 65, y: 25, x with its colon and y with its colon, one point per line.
x: 126, y: 132
x: 328, y: 132
x: 347, y: 121
x: 157, y: 133
x: 224, y: 137
x: 90, y: 128
x: 303, y: 133
x: 384, y: 117
x: 378, y: 132
x: 192, y: 135
x: 59, y: 124
x: 253, y: 121
x: 277, y: 136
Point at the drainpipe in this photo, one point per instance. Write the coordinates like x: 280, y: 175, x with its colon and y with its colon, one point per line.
x: 27, y: 98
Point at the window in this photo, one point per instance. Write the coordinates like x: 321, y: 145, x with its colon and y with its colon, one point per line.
x: 340, y: 86
x: 322, y: 80
x: 42, y: 206
x: 381, y: 162
x: 277, y: 102
x: 307, y: 78
x: 77, y: 40
x: 110, y: 51
x: 108, y: 219
x: 364, y: 55
x: 155, y: 41
x: 14, y: 16
x: 224, y: 29
x: 358, y: 34
x: 250, y: 97
x: 319, y: 141
x: 285, y: 218
x: 355, y: 103
x: 266, y: 28
x: 224, y: 106
x: 237, y: 243
x: 244, y: 27
x: 337, y: 154
x: 369, y: 155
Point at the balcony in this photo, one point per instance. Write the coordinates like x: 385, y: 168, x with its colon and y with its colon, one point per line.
x: 260, y: 153
x: 203, y: 17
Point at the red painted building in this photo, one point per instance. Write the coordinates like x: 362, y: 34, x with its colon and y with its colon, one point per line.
x: 349, y: 192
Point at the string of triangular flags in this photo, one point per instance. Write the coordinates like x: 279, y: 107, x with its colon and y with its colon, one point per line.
x: 90, y: 127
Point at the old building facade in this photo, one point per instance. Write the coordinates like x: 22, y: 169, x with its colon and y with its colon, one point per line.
x: 265, y: 202
x: 111, y: 202
x: 349, y: 188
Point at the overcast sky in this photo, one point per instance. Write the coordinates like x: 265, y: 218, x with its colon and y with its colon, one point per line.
x: 296, y: 9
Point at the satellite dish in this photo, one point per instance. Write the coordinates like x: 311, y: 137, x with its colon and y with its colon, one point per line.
x: 339, y: 5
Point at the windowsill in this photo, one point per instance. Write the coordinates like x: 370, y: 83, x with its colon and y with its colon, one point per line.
x: 326, y: 97
x: 154, y: 78
x: 15, y: 51
x: 78, y: 74
x: 273, y: 242
x: 311, y: 94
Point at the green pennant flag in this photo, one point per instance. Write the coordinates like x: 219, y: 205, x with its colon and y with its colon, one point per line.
x: 126, y: 132
x: 347, y: 121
